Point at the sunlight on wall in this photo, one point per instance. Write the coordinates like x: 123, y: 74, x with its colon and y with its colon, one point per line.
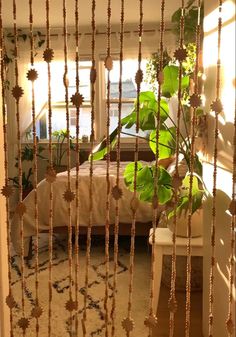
x: 227, y: 52
x: 225, y: 155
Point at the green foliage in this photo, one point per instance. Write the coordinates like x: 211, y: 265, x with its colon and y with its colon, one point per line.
x: 183, y: 201
x: 149, y: 111
x: 59, y: 150
x: 101, y: 150
x: 166, y: 144
x: 190, y: 18
x: 145, y: 182
x: 152, y: 68
x: 27, y: 155
x: 171, y: 81
x: 22, y: 36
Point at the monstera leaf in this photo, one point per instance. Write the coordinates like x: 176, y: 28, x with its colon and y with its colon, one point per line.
x: 171, y: 81
x: 166, y: 142
x: 197, y: 195
x: 100, y: 150
x: 148, y: 110
x: 145, y: 182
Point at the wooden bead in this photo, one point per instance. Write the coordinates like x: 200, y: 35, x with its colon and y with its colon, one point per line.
x: 180, y: 54
x: 32, y: 75
x: 128, y: 324
x: 7, y: 191
x: 48, y: 55
x: 17, y: 92
x: 151, y: 321
x: 69, y: 196
x: 36, y: 312
x: 117, y: 192
x: 11, y: 303
x: 108, y: 63
x: 23, y: 323
x: 77, y: 99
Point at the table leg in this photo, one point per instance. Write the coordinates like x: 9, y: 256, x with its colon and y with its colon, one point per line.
x: 157, y: 275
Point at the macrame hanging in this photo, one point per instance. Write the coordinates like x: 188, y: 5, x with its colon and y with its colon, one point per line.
x: 180, y: 55
x: 128, y: 322
x: 117, y: 191
x: 93, y: 76
x: 72, y: 302
x: 151, y: 320
x: 17, y: 93
x: 48, y: 56
x: 68, y: 195
x: 108, y: 66
x: 195, y: 102
x: 6, y: 190
x: 32, y: 76
x: 77, y: 100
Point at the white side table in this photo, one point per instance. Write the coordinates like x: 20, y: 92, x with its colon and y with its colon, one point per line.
x: 164, y: 246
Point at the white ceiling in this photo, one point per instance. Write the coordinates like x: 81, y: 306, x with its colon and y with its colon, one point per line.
x: 151, y: 12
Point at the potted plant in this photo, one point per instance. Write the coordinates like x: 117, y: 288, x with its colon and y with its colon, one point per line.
x: 59, y: 149
x: 148, y: 111
x: 27, y: 155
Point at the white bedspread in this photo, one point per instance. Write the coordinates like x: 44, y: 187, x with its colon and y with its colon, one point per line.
x: 60, y: 206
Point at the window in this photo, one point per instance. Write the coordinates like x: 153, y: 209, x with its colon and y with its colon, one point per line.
x: 129, y: 91
x: 58, y: 98
x: 129, y: 95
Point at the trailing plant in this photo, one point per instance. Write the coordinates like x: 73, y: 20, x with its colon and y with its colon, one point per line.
x: 190, y: 21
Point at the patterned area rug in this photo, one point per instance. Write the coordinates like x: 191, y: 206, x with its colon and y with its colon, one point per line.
x: 95, y: 299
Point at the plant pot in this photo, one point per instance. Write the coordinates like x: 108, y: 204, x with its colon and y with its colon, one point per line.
x: 182, y: 224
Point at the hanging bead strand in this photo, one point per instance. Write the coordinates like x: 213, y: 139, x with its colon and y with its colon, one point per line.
x: 108, y: 66
x: 32, y: 76
x: 128, y: 322
x: 180, y: 56
x: 17, y: 93
x: 151, y: 320
x: 68, y: 195
x: 213, y: 223
x: 77, y: 100
x: 50, y: 173
x: 93, y: 75
x: 116, y: 191
x: 6, y: 190
x: 195, y: 102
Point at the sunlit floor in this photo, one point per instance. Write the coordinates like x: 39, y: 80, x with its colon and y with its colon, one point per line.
x: 163, y: 314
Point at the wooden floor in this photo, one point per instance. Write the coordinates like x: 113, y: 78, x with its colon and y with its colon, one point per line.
x: 163, y: 314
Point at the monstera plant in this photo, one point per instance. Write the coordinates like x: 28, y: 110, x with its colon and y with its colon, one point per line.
x: 148, y: 112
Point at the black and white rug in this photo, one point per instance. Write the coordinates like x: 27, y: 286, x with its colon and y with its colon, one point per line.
x: 95, y: 299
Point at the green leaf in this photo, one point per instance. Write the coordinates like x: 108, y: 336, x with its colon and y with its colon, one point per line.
x: 166, y: 142
x: 129, y: 174
x: 101, y: 149
x: 171, y: 81
x: 145, y: 182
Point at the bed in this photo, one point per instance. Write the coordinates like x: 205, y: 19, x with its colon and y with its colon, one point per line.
x: 60, y: 206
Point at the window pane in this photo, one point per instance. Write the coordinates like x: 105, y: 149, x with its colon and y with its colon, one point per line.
x: 126, y: 110
x: 58, y: 98
x: 129, y: 87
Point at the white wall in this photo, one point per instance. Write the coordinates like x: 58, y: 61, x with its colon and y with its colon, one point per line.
x: 225, y: 153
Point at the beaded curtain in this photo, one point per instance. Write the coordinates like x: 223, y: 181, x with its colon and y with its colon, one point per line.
x: 150, y: 318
